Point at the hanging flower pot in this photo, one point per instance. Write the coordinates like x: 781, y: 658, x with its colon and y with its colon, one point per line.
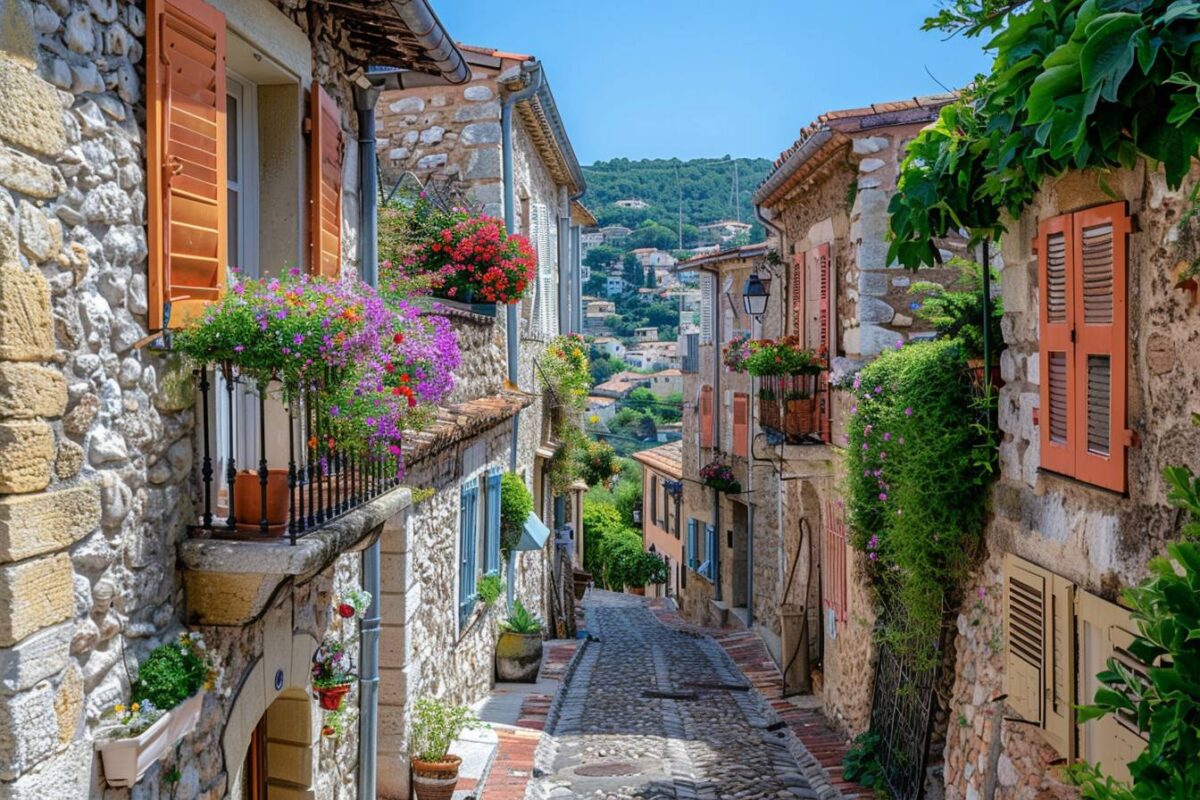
x: 332, y: 697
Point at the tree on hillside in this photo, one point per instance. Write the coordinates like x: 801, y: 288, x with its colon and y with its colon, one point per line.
x: 651, y: 234
x: 602, y: 256
x: 596, y: 284
x: 651, y: 278
x: 632, y: 270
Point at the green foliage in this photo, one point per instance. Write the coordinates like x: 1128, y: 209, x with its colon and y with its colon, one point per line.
x: 564, y: 371
x: 603, y: 367
x: 598, y: 463
x: 435, y: 726
x: 861, y: 764
x: 918, y: 462
x: 613, y: 551
x: 626, y: 493
x: 490, y: 588
x: 332, y: 666
x: 1075, y: 84
x: 1184, y: 494
x: 956, y: 312
x: 516, y: 504
x: 602, y: 256
x: 520, y: 620
x: 1165, y: 704
x: 703, y: 183
x: 172, y: 673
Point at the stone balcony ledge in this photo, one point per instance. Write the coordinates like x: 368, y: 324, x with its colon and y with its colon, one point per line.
x: 231, y: 582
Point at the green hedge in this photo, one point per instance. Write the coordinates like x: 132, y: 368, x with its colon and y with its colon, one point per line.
x: 919, y: 458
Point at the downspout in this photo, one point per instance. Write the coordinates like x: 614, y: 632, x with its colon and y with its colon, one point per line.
x: 534, y: 77
x: 564, y: 261
x: 718, y: 595
x: 787, y: 275
x: 533, y: 71
x: 577, y: 279
x: 365, y: 97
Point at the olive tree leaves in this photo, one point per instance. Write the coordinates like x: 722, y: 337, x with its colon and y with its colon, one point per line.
x: 1075, y: 84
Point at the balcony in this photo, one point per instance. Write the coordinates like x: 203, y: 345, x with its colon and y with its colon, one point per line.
x: 278, y: 497
x: 791, y: 407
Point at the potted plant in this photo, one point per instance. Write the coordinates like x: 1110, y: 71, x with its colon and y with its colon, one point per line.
x: 248, y: 505
x: 719, y: 476
x: 473, y: 261
x: 955, y: 312
x: 353, y: 603
x: 519, y: 649
x: 165, y: 705
x: 646, y: 569
x: 435, y: 726
x: 332, y: 675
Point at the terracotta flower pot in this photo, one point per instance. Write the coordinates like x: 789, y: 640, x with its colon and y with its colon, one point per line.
x: 247, y: 500
x: 638, y: 590
x: 518, y: 657
x: 435, y: 780
x: 332, y: 697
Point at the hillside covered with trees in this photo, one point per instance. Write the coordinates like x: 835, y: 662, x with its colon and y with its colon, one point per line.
x: 706, y: 186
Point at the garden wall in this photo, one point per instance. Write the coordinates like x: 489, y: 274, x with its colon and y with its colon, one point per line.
x: 1098, y: 540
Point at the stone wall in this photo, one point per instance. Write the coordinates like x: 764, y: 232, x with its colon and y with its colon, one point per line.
x: 1099, y: 540
x: 96, y: 435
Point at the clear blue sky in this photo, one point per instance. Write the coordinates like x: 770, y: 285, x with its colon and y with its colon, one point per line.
x: 702, y: 78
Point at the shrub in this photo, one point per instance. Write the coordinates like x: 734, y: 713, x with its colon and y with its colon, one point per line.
x: 516, y: 504
x: 490, y: 588
x: 436, y: 724
x: 1165, y: 702
x: 172, y: 673
x: 598, y: 464
x: 957, y: 313
x: 919, y: 456
x: 520, y: 620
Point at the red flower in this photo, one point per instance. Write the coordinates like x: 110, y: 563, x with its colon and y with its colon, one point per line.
x: 345, y: 610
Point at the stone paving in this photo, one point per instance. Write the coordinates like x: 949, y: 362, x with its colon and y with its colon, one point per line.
x: 649, y: 711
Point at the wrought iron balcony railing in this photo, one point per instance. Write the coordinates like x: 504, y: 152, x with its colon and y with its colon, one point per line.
x: 263, y: 426
x: 789, y: 407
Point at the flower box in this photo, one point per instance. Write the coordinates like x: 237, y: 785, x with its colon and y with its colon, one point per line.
x: 482, y: 309
x: 127, y: 760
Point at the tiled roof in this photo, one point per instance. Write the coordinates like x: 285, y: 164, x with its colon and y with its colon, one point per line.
x: 738, y: 254
x: 836, y: 126
x: 493, y: 52
x: 462, y: 421
x: 667, y: 459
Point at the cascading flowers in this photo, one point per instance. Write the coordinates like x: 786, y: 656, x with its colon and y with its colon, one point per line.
x: 472, y: 259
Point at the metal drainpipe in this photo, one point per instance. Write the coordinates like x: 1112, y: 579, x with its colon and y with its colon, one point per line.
x: 368, y: 725
x: 564, y: 261
x: 778, y: 494
x: 534, y: 76
x: 718, y: 595
x: 533, y: 71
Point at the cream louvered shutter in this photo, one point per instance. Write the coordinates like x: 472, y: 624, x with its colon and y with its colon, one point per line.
x: 1105, y: 632
x: 1039, y: 664
x: 545, y: 305
x: 706, y: 308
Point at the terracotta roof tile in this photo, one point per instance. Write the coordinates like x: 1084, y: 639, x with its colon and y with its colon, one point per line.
x: 667, y: 459
x: 462, y: 421
x: 494, y: 53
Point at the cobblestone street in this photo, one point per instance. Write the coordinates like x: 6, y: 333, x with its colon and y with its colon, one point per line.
x: 655, y: 712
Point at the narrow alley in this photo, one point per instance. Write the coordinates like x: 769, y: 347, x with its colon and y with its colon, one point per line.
x: 654, y: 712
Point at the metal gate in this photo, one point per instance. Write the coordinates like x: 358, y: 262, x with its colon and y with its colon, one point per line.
x: 904, y: 705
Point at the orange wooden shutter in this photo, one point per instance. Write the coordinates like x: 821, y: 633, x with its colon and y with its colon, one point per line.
x: 798, y: 295
x: 825, y: 306
x: 741, y: 425
x: 1056, y: 277
x: 325, y: 173
x: 706, y: 416
x: 1099, y: 334
x: 185, y: 159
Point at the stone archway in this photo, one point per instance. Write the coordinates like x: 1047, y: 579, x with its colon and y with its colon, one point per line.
x: 800, y: 589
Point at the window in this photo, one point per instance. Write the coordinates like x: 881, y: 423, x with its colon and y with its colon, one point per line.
x: 701, y: 548
x: 545, y: 301
x: 1047, y: 623
x: 654, y: 499
x: 491, y: 530
x: 691, y: 547
x: 707, y: 285
x: 706, y: 416
x: 709, y: 568
x: 467, y: 532
x: 1083, y: 333
x: 676, y: 504
x: 833, y: 559
x: 741, y: 424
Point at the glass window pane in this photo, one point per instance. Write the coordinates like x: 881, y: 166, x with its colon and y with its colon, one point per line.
x: 231, y: 137
x: 234, y: 240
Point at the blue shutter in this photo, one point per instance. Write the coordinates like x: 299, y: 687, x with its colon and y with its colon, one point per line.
x: 691, y: 544
x: 466, y: 549
x: 491, y: 536
x: 710, y: 550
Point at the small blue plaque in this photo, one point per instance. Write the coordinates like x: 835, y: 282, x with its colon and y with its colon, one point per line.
x: 279, y: 680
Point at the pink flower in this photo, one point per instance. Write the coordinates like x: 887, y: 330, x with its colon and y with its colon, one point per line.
x: 908, y: 412
x: 883, y: 497
x: 982, y: 592
x: 899, y: 343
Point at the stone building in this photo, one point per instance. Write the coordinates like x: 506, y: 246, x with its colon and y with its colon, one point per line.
x: 662, y: 510
x: 501, y: 129
x: 782, y: 565
x: 1079, y: 508
x: 249, y: 110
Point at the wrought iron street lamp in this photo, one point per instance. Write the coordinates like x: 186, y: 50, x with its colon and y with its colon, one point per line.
x: 755, y: 294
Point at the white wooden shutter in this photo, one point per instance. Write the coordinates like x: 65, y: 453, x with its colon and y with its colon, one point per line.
x: 545, y: 312
x: 706, y: 308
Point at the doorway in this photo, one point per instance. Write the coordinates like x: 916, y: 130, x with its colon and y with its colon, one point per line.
x: 739, y: 577
x: 280, y: 759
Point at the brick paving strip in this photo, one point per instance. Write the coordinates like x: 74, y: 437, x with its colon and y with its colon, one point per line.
x: 623, y: 724
x: 814, y: 737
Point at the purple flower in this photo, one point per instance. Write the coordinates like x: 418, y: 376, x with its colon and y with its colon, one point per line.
x: 883, y: 497
x: 866, y: 473
x: 239, y: 348
x: 878, y: 390
x: 982, y: 592
x: 873, y: 542
x: 866, y: 446
x: 334, y: 411
x: 853, y: 409
x: 908, y: 412
x: 873, y: 556
x: 867, y: 430
x: 887, y: 437
x: 857, y: 381
x: 899, y: 343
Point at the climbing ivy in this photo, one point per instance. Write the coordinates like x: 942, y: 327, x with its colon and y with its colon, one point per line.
x: 1075, y: 84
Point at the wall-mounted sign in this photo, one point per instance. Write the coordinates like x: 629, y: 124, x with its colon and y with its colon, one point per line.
x: 279, y: 680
